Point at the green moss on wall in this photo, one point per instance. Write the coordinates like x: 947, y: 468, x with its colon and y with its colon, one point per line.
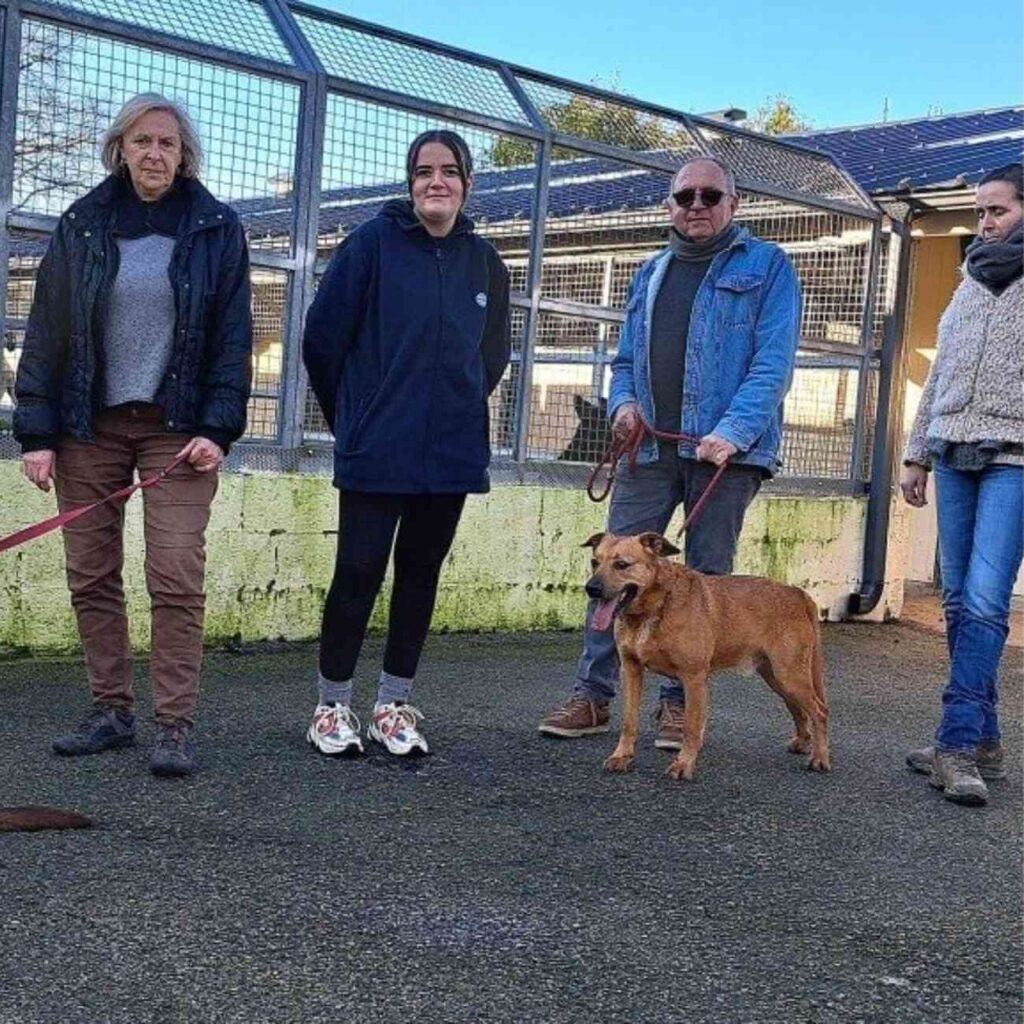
x: 516, y: 563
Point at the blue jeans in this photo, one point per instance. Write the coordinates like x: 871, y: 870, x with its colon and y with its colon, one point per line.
x: 645, y: 501
x: 981, y: 542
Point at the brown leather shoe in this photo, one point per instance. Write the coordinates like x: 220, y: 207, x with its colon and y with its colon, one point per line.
x: 669, y: 717
x: 576, y: 717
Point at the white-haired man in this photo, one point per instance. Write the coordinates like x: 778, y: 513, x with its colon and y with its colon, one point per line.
x: 707, y: 349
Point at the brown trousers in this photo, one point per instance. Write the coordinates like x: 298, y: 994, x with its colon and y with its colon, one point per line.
x: 176, y: 512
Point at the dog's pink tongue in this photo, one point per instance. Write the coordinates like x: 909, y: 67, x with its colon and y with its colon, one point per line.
x: 603, y: 615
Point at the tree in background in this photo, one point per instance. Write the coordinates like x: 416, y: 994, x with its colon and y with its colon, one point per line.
x: 588, y: 117
x: 778, y: 116
x: 59, y: 123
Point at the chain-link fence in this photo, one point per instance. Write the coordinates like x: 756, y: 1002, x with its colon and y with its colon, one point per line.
x: 306, y: 117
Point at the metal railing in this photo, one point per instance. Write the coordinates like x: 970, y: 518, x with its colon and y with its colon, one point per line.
x: 306, y: 117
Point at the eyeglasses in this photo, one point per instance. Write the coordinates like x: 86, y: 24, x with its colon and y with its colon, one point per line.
x: 686, y: 197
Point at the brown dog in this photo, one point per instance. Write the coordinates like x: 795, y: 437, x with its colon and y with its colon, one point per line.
x: 682, y: 624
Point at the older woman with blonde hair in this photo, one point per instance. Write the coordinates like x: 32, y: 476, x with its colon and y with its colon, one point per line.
x: 138, y: 351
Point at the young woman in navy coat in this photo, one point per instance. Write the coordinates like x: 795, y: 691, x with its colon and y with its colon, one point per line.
x: 406, y: 339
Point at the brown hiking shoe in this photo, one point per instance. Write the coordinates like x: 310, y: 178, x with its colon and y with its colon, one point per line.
x: 989, y: 760
x: 956, y: 774
x: 576, y: 717
x: 669, y: 717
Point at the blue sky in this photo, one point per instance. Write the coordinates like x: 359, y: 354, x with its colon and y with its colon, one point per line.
x: 837, y: 62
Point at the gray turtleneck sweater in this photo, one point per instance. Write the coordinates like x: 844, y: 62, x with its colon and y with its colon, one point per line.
x: 670, y: 323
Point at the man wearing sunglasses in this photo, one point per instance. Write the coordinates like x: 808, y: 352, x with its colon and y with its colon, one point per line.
x: 707, y: 349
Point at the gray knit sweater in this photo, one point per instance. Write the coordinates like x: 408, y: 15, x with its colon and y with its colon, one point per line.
x: 139, y: 335
x: 975, y: 390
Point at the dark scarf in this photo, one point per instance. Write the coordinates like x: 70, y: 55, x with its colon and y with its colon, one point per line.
x: 135, y: 218
x: 697, y: 252
x: 996, y: 265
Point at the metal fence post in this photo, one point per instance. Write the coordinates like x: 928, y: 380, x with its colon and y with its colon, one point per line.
x: 866, y: 355
x: 308, y: 167
x: 10, y: 49
x: 889, y: 417
x: 537, y: 228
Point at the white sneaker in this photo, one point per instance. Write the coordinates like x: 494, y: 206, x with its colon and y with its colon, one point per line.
x: 395, y: 726
x: 335, y: 730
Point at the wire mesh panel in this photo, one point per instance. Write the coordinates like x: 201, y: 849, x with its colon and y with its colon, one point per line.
x: 364, y: 166
x: 604, y: 218
x: 73, y: 83
x: 831, y: 253
x: 614, y: 123
x: 819, y: 418
x: 270, y: 310
x: 569, y: 390
x: 501, y: 405
x: 24, y: 255
x: 870, y: 414
x: 604, y: 215
x: 240, y: 25
x: 787, y: 167
x: 886, y: 285
x: 13, y: 339
x: 361, y: 56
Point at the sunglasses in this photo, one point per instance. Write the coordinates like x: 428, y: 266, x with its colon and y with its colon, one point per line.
x: 686, y: 197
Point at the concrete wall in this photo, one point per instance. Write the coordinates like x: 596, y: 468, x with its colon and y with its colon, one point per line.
x: 516, y: 563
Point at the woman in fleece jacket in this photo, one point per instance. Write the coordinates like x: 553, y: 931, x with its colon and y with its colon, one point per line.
x: 408, y: 335
x: 970, y: 430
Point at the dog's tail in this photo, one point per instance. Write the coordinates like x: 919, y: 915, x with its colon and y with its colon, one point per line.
x: 34, y: 819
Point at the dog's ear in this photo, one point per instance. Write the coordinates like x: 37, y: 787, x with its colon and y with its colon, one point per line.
x: 656, y: 544
x: 593, y: 541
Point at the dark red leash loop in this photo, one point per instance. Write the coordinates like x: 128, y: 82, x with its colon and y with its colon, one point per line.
x: 56, y: 522
x: 627, y: 445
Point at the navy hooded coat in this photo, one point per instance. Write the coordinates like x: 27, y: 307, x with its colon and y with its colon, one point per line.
x: 406, y: 338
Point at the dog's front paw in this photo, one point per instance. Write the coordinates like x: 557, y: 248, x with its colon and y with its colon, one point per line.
x: 619, y: 763
x: 819, y: 764
x: 799, y: 744
x: 681, y: 770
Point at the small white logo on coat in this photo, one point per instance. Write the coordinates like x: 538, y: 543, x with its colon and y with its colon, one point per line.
x: 481, y: 300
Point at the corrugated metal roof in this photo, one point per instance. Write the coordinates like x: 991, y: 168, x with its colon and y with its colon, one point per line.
x: 928, y: 153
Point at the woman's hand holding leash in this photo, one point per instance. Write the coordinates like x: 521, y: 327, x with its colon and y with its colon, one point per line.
x: 39, y: 467
x: 202, y: 454
x: 914, y: 485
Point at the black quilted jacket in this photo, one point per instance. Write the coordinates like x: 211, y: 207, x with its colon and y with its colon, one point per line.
x: 206, y: 387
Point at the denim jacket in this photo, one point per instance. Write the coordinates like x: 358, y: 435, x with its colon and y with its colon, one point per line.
x: 740, y: 350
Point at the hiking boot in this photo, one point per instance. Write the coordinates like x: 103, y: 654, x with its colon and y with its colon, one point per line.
x: 669, y: 717
x: 956, y: 774
x: 334, y: 730
x: 989, y: 760
x: 577, y: 717
x: 103, y: 728
x: 396, y: 727
x: 174, y: 754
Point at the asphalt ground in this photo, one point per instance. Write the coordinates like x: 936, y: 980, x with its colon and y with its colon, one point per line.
x: 506, y: 878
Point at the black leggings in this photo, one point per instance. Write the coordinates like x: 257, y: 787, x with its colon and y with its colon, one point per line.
x: 366, y: 529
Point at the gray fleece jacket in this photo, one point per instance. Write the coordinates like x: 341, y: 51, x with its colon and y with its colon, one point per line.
x: 975, y: 390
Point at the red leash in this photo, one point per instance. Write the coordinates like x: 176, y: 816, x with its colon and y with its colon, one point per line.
x: 56, y: 522
x: 628, y: 446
